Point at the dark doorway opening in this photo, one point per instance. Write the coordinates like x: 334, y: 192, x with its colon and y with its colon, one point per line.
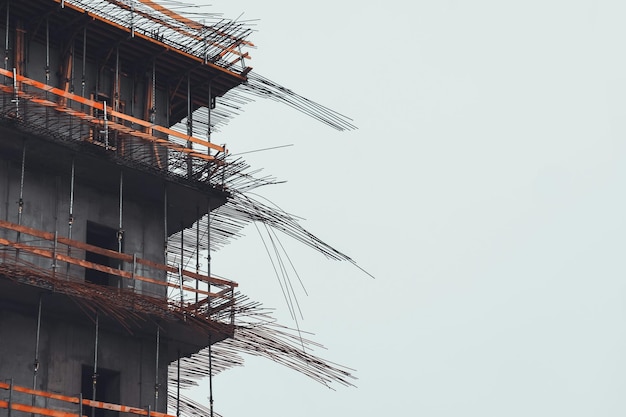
x: 106, y: 238
x: 107, y: 390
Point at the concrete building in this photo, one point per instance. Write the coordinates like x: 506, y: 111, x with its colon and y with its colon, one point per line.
x: 104, y: 280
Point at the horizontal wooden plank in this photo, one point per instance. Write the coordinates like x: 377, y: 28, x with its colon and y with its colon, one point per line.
x: 74, y: 400
x: 100, y: 106
x: 112, y: 254
x: 17, y: 388
x: 37, y: 410
x: 102, y: 268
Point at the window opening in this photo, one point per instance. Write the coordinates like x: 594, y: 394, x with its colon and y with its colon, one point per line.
x: 107, y: 390
x: 106, y: 238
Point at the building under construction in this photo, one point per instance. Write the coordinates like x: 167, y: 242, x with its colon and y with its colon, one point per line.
x: 113, y: 194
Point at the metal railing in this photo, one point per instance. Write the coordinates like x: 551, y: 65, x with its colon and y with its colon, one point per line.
x: 61, y: 250
x: 54, y: 112
x: 13, y: 404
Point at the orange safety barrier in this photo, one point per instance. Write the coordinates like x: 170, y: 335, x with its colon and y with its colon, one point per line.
x: 69, y: 399
x: 55, y: 255
x: 100, y: 106
x: 113, y: 254
x: 36, y: 410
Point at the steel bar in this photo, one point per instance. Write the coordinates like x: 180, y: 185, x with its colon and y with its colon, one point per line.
x: 156, y: 372
x: 70, y: 219
x: 36, y: 361
x: 178, y: 384
x: 189, y: 127
x: 210, y: 375
x: 166, y: 235
x: 120, y: 230
x: 94, y: 376
x: 6, y: 38
x: 20, y: 202
x: 197, y: 249
x: 10, y: 402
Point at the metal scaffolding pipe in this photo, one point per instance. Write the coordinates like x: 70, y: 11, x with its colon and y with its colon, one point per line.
x: 208, y: 250
x: 16, y: 92
x: 47, y: 69
x: 70, y: 218
x: 189, y: 126
x: 120, y: 230
x: 153, y: 95
x: 116, y: 82
x: 55, y: 247
x: 10, y: 407
x: 6, y: 39
x: 208, y: 133
x: 36, y: 361
x: 94, y: 376
x: 132, y: 19
x: 20, y: 202
x: 180, y: 265
x: 106, y: 125
x: 6, y: 198
x: 83, y: 80
x: 54, y: 253
x: 210, y: 376
x: 156, y: 373
x: 72, y: 74
x: 197, y: 249
x: 165, y: 225
x: 178, y: 385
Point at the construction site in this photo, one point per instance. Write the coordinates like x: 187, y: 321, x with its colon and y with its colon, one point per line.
x: 115, y: 193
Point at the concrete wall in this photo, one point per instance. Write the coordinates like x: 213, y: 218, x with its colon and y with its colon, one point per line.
x: 65, y: 347
x: 99, y: 83
x: 46, y: 205
x: 66, y: 342
x: 135, y: 77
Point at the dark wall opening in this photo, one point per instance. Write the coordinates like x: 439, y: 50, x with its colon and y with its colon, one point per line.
x: 104, y: 237
x: 107, y: 390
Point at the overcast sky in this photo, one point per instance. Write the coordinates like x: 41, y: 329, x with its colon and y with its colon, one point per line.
x: 484, y: 189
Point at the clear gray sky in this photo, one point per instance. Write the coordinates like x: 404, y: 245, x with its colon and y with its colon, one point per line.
x: 484, y: 188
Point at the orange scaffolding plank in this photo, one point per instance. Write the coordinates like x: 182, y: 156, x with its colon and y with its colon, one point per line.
x: 113, y: 254
x: 36, y: 410
x: 17, y: 388
x: 73, y: 400
x: 102, y: 268
x: 100, y: 106
x: 111, y: 125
